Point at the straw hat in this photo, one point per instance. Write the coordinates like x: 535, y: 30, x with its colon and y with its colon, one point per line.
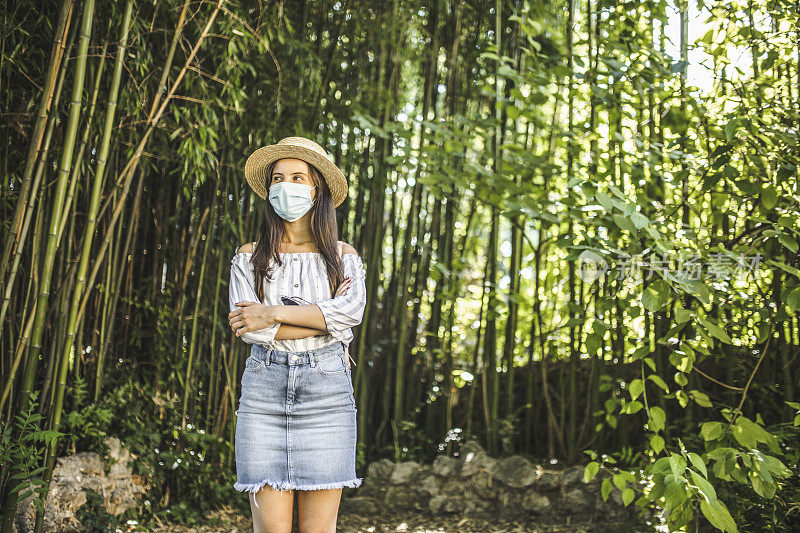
x: 255, y: 169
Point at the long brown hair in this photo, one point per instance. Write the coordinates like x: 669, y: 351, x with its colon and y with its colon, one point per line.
x: 323, y: 228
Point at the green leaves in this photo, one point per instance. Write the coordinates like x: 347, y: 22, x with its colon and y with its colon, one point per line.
x: 631, y: 408
x: 655, y: 295
x: 718, y: 515
x: 658, y: 419
x: 769, y: 197
x: 788, y: 241
x: 681, y: 486
x: 796, y: 407
x: 605, y: 488
x: 700, y: 398
x: 682, y: 360
x: 627, y: 496
x: 681, y: 314
x: 625, y: 223
x: 658, y: 381
x: 636, y: 388
x: 621, y: 480
x: 715, y: 330
x: 748, y: 434
x: 730, y: 129
x: 711, y: 430
x: 698, y: 463
x: 696, y: 288
x: 705, y: 488
x: 677, y: 465
x: 657, y: 443
x: 604, y: 200
x: 590, y: 471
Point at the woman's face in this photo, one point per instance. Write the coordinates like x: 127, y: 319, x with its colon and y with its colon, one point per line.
x: 293, y: 171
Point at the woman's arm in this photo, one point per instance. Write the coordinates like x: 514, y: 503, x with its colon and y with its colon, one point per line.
x: 308, y: 316
x: 289, y: 331
x: 240, y: 289
x: 334, y: 315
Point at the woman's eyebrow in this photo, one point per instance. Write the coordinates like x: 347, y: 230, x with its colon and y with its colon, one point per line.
x: 293, y: 174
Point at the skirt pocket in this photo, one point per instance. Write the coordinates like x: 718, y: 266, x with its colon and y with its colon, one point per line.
x: 332, y: 365
x: 253, y: 363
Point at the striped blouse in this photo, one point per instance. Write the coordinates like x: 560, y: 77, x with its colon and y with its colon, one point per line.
x: 302, y: 274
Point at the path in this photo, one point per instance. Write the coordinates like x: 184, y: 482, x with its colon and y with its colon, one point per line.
x: 231, y: 522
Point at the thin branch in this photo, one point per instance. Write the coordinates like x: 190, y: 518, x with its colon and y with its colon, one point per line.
x: 752, y: 375
x: 715, y: 380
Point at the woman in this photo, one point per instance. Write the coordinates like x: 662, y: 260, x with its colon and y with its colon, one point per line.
x: 294, y: 295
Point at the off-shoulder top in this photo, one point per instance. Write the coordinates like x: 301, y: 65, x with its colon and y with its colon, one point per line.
x: 302, y: 274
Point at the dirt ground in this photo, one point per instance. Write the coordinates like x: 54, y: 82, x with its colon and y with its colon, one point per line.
x: 230, y: 521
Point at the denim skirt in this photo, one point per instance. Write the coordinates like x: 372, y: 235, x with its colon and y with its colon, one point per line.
x: 296, y: 421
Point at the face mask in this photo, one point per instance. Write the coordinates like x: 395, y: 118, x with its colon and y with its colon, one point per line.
x: 291, y: 200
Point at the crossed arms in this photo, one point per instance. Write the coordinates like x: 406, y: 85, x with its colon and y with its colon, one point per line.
x: 258, y: 323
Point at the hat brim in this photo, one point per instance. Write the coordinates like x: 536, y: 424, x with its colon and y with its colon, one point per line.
x: 255, y: 169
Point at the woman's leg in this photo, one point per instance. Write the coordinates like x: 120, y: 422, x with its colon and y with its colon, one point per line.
x: 272, y: 510
x: 317, y: 510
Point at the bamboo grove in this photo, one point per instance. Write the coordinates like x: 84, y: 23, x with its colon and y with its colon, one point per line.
x: 490, y: 148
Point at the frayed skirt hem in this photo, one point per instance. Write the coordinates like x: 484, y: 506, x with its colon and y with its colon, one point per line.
x: 285, y: 485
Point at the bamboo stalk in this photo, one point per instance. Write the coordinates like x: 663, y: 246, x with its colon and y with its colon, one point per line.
x: 32, y: 360
x: 17, y: 239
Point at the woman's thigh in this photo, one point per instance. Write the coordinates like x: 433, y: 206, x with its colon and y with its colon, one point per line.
x: 272, y: 510
x: 317, y: 510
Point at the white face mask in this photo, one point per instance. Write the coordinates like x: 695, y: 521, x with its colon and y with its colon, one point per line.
x: 291, y: 200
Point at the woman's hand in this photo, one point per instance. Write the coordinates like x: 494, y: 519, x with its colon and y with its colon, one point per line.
x: 342, y: 288
x: 251, y: 316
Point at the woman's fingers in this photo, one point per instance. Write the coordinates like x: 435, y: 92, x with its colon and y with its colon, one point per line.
x: 236, y: 319
x: 240, y: 326
x: 343, y: 287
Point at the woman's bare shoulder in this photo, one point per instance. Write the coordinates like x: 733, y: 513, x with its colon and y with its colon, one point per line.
x: 246, y: 248
x: 347, y: 249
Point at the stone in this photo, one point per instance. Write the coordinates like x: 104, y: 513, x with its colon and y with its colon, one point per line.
x: 572, y: 475
x: 482, y: 485
x: 536, y: 503
x: 444, y: 504
x: 576, y: 500
x: 380, y: 470
x: 444, y: 465
x: 616, y: 496
x: 485, y: 507
x: 398, y: 498
x: 474, y: 462
x: 361, y: 505
x: 403, y: 472
x: 422, y: 472
x: 73, y: 477
x: 548, y: 480
x: 509, y: 500
x: 600, y: 505
x: 470, y: 446
x: 516, y: 471
x: 436, y: 503
x: 429, y: 485
x: 453, y: 486
x: 370, y: 487
x: 477, y: 485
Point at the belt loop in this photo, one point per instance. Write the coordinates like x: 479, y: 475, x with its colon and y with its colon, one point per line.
x: 268, y: 357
